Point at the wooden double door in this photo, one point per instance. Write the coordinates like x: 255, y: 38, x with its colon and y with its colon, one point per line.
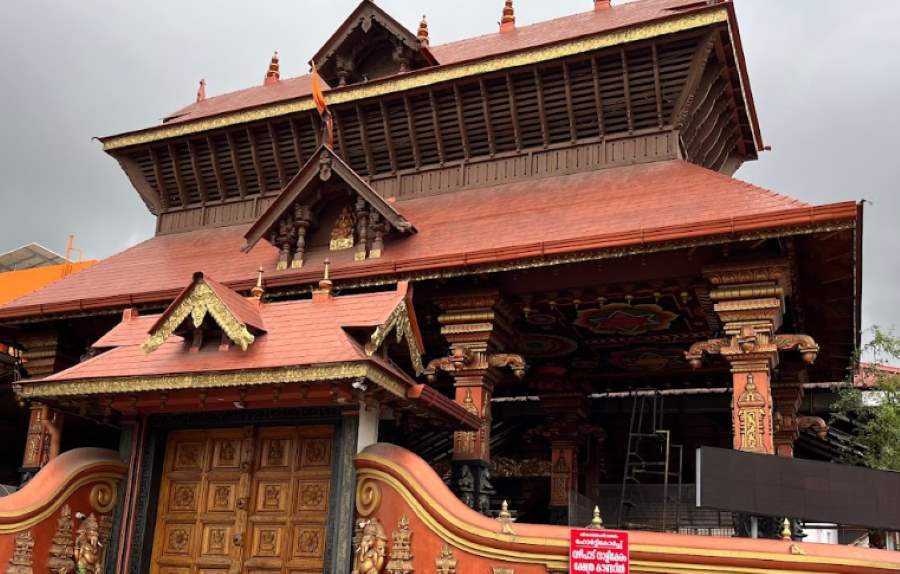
x: 244, y: 500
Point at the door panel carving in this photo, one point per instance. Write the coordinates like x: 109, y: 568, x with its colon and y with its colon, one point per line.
x: 245, y: 500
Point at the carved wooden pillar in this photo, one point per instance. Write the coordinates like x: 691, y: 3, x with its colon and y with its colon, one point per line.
x: 43, y: 438
x: 749, y: 300
x: 787, y: 392
x: 477, y: 327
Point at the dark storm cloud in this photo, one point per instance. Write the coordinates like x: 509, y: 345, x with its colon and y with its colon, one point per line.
x: 824, y: 74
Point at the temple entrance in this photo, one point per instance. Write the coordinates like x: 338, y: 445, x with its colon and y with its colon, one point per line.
x: 251, y: 499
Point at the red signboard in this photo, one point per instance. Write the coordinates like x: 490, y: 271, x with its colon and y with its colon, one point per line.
x: 598, y: 551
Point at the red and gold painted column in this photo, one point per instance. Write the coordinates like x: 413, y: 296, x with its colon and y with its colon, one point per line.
x: 749, y: 300
x: 43, y: 439
x: 477, y: 327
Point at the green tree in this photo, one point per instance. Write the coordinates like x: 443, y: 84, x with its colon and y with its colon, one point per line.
x: 874, y: 406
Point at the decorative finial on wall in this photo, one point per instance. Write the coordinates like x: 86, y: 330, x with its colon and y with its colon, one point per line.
x: 273, y: 75
x: 201, y: 91
x: 258, y: 290
x: 422, y: 34
x: 508, y: 20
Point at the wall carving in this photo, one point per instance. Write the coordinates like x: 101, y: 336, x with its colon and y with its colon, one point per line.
x: 22, y: 559
x: 370, y: 548
x: 62, y: 550
x: 401, y: 556
x: 445, y: 562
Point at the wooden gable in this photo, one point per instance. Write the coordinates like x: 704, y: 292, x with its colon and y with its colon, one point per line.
x: 204, y: 300
x: 326, y: 192
x: 370, y: 44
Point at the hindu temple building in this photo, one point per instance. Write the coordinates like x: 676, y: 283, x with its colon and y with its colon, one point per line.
x: 427, y: 307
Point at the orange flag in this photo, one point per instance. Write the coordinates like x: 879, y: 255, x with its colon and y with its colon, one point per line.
x: 318, y: 96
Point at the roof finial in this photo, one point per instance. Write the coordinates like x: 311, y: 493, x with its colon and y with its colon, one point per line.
x: 325, y: 284
x: 273, y: 74
x: 423, y: 31
x: 786, y: 530
x: 258, y: 290
x: 201, y: 91
x: 601, y: 4
x: 596, y: 521
x: 508, y: 21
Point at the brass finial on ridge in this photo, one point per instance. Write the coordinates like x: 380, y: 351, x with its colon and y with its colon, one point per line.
x: 273, y: 74
x: 786, y: 530
x: 422, y: 34
x: 201, y: 91
x: 508, y: 20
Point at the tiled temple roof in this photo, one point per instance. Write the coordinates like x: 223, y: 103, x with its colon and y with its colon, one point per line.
x: 630, y: 206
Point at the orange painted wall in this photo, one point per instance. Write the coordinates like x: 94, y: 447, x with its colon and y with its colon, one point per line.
x: 14, y: 284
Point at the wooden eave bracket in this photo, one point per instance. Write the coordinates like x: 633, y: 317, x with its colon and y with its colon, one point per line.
x: 322, y: 166
x: 195, y: 302
x: 402, y: 322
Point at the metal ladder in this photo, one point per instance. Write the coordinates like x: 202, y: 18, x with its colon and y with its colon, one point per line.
x: 649, y: 455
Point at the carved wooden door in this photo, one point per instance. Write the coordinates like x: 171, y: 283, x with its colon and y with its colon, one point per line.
x: 251, y: 500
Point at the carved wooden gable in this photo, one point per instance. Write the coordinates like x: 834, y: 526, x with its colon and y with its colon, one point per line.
x: 370, y: 44
x: 202, y: 309
x: 326, y: 197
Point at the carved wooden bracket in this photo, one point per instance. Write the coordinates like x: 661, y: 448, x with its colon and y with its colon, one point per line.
x: 749, y: 344
x: 462, y: 358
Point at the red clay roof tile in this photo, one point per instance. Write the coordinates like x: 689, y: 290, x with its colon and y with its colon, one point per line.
x: 299, y: 333
x: 522, y: 38
x: 588, y: 211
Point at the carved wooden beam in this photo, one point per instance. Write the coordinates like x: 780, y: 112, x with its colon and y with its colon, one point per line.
x: 342, y: 138
x: 257, y: 165
x: 598, y: 96
x: 217, y: 169
x: 461, y: 119
x: 657, y: 88
x: 411, y: 125
x: 236, y: 165
x: 570, y: 109
x: 364, y: 138
x: 160, y: 182
x: 295, y: 139
x: 726, y: 71
x: 539, y: 88
x: 389, y: 139
x: 486, y: 110
x: 436, y: 124
x: 276, y: 152
x: 176, y: 170
x: 695, y: 73
x: 627, y: 87
x: 748, y: 342
x: 198, y: 175
x: 514, y: 111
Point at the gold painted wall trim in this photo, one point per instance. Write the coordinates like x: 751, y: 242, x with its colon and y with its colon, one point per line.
x: 259, y: 377
x: 58, y: 499
x: 409, y: 489
x: 427, y: 78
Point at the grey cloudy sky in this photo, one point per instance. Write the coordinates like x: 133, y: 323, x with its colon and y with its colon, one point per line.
x: 825, y: 74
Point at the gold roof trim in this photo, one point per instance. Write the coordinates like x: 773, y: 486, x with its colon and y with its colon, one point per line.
x: 201, y: 301
x: 398, y: 321
x: 258, y: 377
x: 426, y: 78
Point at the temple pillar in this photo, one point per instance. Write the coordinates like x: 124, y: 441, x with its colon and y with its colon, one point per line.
x: 43, y: 439
x: 787, y: 393
x: 477, y: 327
x: 749, y: 301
